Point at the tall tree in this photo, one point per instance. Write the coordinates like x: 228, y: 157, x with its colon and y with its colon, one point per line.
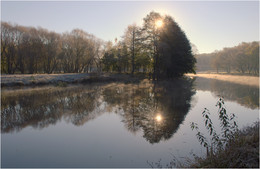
x: 169, y: 47
x: 151, y: 38
x: 51, y: 41
x: 8, y: 48
x: 131, y: 39
x: 175, y: 51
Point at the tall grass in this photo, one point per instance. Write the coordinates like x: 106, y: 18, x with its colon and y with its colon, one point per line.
x: 241, y: 152
x: 231, y: 148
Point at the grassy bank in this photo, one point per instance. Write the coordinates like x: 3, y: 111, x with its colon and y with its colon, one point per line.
x: 64, y: 79
x: 69, y: 78
x: 238, y: 79
x: 242, y: 152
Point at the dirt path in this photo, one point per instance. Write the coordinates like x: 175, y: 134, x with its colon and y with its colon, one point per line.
x: 245, y: 80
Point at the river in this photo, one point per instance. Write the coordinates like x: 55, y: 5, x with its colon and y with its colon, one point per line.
x: 114, y: 124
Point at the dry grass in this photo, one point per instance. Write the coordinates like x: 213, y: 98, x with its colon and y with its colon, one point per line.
x: 64, y: 79
x: 245, y: 80
x: 34, y: 79
x: 242, y: 152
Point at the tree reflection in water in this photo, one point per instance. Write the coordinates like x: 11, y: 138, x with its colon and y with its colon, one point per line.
x: 245, y: 95
x: 155, y: 108
x: 40, y: 108
x: 158, y: 109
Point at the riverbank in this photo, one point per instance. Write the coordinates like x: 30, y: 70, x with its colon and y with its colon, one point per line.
x: 238, y: 79
x: 70, y: 78
x: 242, y: 153
x: 63, y: 79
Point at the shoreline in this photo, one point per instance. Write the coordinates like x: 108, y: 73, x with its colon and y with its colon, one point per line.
x: 15, y: 80
x: 238, y: 79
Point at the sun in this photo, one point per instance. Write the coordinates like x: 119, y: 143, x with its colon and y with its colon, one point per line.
x: 159, y: 23
x: 158, y: 118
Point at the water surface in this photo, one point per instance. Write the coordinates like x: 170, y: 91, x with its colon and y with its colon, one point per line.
x: 114, y: 124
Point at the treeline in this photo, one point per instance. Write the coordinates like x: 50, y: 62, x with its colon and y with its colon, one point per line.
x: 243, y: 59
x: 31, y: 50
x: 159, y: 48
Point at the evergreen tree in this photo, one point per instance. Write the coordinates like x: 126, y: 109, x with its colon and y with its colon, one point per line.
x: 175, y: 52
x: 169, y: 48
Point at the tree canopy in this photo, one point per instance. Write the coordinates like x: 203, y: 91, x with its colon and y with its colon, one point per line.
x: 175, y: 51
x: 159, y: 47
x: 31, y: 50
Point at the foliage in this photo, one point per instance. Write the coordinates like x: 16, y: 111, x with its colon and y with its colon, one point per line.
x: 109, y: 61
x: 242, y: 153
x: 131, y: 40
x: 61, y: 84
x: 164, y: 52
x: 175, y: 50
x: 231, y: 148
x: 218, y: 141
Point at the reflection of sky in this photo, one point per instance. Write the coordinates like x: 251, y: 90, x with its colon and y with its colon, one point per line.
x: 185, y: 138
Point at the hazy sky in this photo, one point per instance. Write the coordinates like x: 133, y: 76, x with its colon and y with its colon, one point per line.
x: 210, y: 25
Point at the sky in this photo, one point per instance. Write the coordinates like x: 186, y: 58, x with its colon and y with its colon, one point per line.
x: 210, y: 25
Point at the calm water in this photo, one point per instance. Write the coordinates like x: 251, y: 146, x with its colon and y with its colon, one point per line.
x: 115, y: 124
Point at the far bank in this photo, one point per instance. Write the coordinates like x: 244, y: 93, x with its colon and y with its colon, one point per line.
x: 238, y: 79
x: 64, y: 79
x: 45, y: 79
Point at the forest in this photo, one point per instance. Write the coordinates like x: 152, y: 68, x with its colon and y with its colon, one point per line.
x: 242, y: 59
x: 159, y: 48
